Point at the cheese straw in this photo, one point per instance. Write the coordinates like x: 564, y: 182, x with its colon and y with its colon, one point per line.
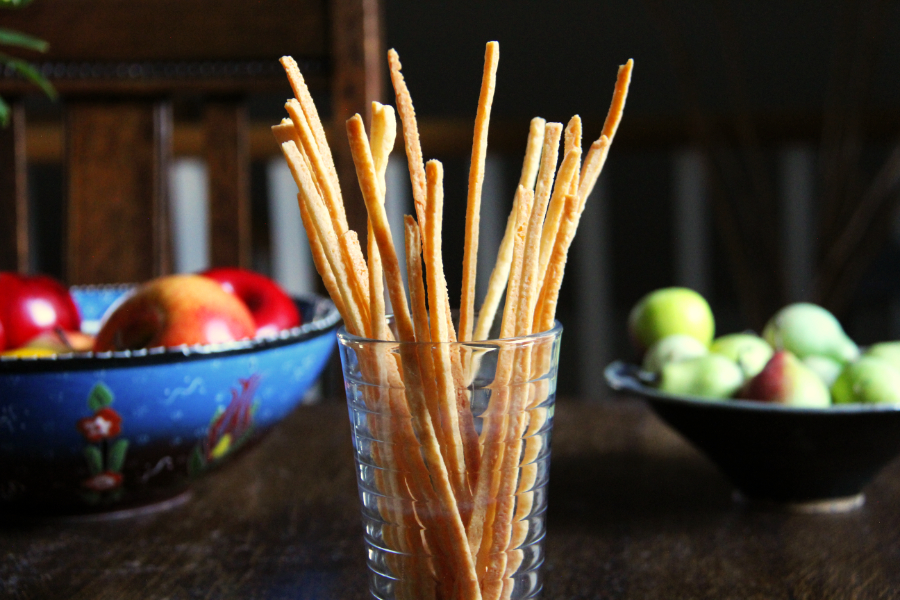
x: 500, y: 273
x: 454, y: 505
x: 476, y: 181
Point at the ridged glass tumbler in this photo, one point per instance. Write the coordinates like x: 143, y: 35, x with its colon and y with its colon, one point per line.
x: 452, y: 446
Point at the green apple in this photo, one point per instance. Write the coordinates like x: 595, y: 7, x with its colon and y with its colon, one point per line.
x: 889, y: 351
x: 748, y: 350
x: 805, y: 329
x: 709, y: 376
x: 826, y: 368
x: 870, y: 380
x: 672, y: 348
x: 669, y: 311
x: 786, y: 380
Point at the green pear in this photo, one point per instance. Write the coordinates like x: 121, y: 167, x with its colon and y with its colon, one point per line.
x: 672, y: 348
x: 889, y: 351
x: 806, y: 329
x: 826, y: 368
x: 668, y: 311
x: 708, y: 376
x: 786, y: 380
x: 870, y: 380
x: 748, y: 350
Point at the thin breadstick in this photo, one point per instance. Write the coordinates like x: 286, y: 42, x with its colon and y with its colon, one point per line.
x: 565, y: 179
x: 384, y: 133
x: 320, y: 261
x: 510, y: 533
x: 500, y: 273
x: 556, y: 267
x: 368, y: 183
x: 417, y: 303
x: 301, y: 92
x: 411, y: 462
x: 330, y: 195
x: 495, y: 558
x: 617, y: 106
x: 410, y: 135
x: 284, y: 132
x: 410, y: 472
x: 435, y: 529
x: 377, y: 310
x: 544, y: 316
x: 573, y: 140
x: 326, y: 184
x: 597, y: 154
x: 437, y: 376
x: 365, y: 171
x: 464, y: 426
x: 473, y: 201
x: 525, y: 202
x: 496, y: 416
x: 395, y: 503
x: 321, y: 221
x: 593, y: 165
x: 531, y: 258
x: 349, y: 242
x: 533, y: 146
x: 501, y: 527
x: 461, y: 425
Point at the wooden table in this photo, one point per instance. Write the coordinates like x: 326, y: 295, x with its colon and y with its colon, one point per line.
x: 634, y: 513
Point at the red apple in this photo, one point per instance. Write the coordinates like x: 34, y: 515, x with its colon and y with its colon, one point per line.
x: 175, y: 310
x: 30, y: 305
x: 2, y: 337
x: 272, y: 309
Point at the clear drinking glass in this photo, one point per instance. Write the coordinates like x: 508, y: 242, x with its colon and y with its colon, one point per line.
x: 453, y: 453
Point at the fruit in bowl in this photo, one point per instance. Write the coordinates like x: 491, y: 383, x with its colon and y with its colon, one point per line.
x: 786, y: 380
x: 173, y: 311
x: 99, y: 432
x: 812, y: 422
x: 272, y: 309
x: 32, y: 305
x: 801, y: 355
x: 669, y: 311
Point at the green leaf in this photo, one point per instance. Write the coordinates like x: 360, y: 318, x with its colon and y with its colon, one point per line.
x: 100, y: 397
x: 94, y: 459
x: 4, y: 113
x: 116, y: 458
x: 10, y: 37
x: 30, y: 73
x: 14, y: 3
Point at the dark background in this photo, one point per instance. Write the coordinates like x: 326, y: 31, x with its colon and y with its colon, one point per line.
x: 773, y: 68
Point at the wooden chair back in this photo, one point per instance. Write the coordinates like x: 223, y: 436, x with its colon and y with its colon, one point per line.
x: 117, y: 65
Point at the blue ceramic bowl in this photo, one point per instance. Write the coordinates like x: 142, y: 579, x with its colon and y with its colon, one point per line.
x: 97, y: 432
x: 805, y: 459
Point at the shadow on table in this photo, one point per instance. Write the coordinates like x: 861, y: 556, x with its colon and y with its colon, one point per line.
x: 603, y: 490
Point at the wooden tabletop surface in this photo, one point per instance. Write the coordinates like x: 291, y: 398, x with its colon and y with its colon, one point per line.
x: 634, y: 513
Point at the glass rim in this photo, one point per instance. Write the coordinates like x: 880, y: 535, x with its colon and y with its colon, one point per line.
x: 345, y: 336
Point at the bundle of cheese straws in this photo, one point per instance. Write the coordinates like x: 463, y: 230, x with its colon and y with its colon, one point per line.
x: 457, y: 536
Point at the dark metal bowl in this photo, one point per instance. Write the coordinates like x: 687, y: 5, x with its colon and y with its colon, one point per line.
x: 816, y: 459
